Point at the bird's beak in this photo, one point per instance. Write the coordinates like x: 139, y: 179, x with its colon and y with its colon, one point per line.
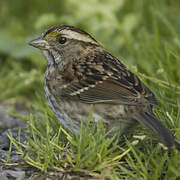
x: 39, y: 43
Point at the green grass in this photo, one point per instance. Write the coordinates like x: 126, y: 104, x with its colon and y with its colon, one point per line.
x: 145, y: 36
x: 50, y: 147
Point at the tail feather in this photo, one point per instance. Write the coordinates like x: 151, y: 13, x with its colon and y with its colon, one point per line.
x: 177, y: 145
x: 164, y: 135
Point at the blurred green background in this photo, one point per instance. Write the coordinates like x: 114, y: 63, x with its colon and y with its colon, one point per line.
x: 143, y: 33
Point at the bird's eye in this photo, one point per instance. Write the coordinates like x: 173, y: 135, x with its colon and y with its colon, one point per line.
x: 62, y: 40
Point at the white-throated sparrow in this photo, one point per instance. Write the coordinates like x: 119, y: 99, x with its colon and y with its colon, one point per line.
x: 81, y: 72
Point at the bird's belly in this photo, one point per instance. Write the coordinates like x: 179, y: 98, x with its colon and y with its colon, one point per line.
x: 72, y: 113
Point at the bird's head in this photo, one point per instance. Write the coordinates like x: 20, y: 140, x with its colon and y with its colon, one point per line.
x: 64, y: 43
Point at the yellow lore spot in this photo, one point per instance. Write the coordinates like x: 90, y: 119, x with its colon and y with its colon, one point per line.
x: 52, y: 34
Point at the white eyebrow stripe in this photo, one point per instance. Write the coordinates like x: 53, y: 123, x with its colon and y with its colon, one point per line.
x: 75, y: 35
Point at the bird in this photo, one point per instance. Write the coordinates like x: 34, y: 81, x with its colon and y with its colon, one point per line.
x: 81, y: 74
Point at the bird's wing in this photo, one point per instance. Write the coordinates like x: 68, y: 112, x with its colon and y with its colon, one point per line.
x: 102, y: 78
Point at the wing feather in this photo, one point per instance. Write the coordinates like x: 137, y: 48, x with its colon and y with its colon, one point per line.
x: 102, y: 78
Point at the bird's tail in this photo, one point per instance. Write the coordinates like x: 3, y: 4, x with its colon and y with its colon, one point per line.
x: 150, y: 121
